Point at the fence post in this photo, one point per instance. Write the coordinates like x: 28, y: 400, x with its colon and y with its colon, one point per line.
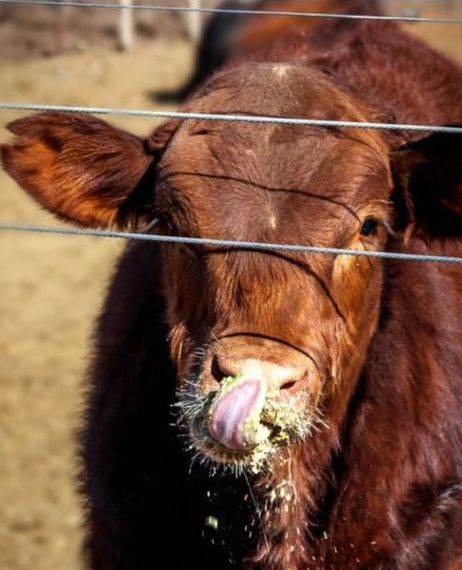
x: 194, y: 21
x: 126, y: 26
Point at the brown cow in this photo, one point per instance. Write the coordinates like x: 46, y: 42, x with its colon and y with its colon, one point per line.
x: 231, y: 34
x: 321, y: 395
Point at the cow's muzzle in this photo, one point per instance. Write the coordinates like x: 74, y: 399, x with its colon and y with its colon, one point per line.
x: 250, y: 400
x: 240, y: 410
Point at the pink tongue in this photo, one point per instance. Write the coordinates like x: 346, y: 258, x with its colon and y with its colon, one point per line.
x: 232, y: 409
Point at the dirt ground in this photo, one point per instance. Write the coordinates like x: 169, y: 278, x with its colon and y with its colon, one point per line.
x: 51, y: 290
x: 52, y: 287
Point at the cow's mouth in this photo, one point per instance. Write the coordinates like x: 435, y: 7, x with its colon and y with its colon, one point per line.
x: 241, y: 425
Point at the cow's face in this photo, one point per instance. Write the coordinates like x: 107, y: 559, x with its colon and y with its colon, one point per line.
x: 265, y: 341
x: 268, y: 345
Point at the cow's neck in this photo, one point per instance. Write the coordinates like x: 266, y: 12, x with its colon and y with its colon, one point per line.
x: 401, y: 428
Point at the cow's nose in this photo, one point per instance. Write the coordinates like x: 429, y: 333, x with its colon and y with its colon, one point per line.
x: 290, y: 377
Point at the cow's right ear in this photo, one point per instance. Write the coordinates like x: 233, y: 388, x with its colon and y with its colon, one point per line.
x: 83, y: 169
x: 428, y: 186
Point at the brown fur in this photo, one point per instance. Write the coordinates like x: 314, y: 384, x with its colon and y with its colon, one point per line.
x: 228, y: 35
x: 110, y: 196
x: 263, y: 30
x: 378, y: 483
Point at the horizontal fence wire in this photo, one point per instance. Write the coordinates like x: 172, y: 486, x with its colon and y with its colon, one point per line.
x: 230, y: 117
x: 220, y: 243
x: 255, y: 246
x: 248, y: 12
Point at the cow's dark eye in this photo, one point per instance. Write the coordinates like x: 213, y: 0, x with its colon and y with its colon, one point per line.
x: 369, y: 227
x: 166, y: 223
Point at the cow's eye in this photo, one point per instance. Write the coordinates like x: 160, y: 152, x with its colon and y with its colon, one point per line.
x: 369, y: 227
x: 166, y: 223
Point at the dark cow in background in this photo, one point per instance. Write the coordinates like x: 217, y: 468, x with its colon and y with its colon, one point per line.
x: 320, y: 396
x: 229, y: 35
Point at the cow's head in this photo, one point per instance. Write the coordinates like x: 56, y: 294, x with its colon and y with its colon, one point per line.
x: 266, y: 343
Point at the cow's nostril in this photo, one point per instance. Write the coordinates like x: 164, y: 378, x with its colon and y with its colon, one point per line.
x: 288, y: 385
x: 219, y: 369
x: 294, y: 382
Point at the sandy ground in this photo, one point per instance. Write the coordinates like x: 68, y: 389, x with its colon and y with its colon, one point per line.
x: 51, y: 290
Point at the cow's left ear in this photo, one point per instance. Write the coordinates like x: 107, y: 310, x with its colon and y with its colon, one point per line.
x: 428, y: 186
x: 84, y: 170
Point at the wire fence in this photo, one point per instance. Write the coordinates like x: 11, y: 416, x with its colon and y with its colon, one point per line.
x: 255, y: 246
x: 259, y: 119
x: 243, y: 12
x: 234, y: 244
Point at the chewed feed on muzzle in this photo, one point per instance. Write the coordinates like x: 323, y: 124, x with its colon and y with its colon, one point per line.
x: 243, y: 424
